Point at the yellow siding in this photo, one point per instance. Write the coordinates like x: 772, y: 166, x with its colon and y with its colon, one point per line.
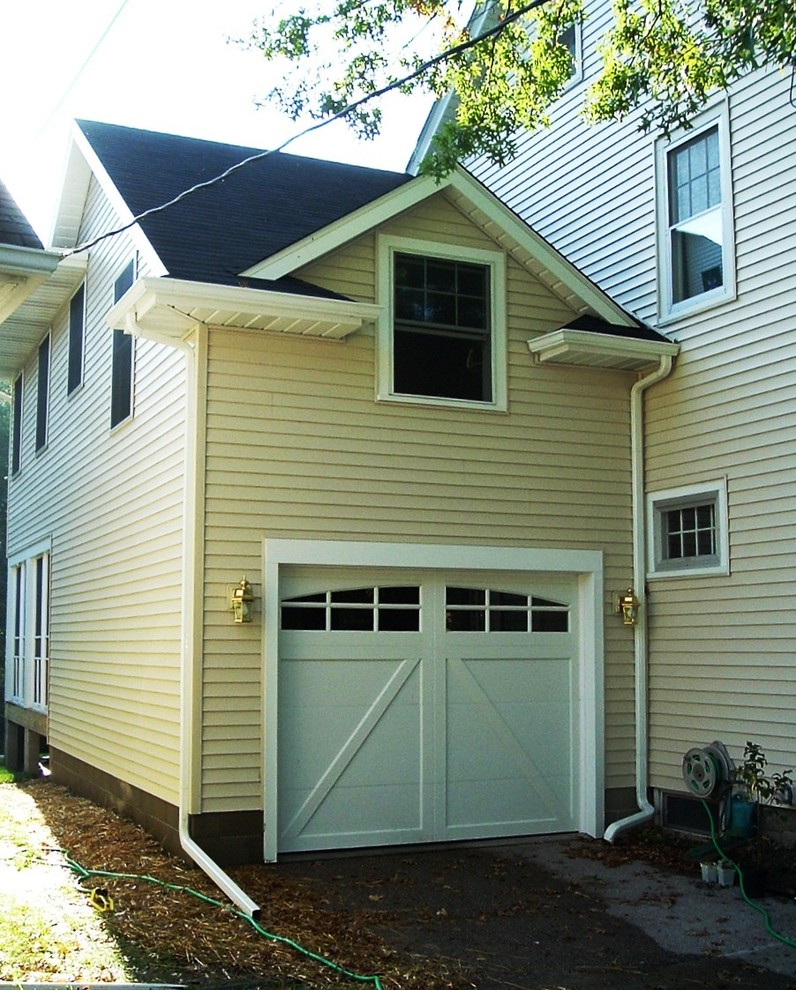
x: 111, y: 505
x: 313, y: 455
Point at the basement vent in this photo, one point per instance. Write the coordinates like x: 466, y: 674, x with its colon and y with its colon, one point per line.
x: 686, y: 814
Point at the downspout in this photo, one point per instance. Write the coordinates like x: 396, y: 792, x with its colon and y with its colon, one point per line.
x: 191, y: 577
x: 646, y: 810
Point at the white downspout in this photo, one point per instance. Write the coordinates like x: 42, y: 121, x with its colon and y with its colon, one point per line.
x: 190, y: 581
x: 646, y: 810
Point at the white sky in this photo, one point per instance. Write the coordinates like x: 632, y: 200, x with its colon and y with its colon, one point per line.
x: 164, y: 65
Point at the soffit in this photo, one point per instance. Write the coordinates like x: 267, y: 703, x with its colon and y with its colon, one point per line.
x: 22, y: 330
x: 169, y: 309
x: 599, y: 350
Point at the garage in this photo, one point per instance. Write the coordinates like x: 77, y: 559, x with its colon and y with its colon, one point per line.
x: 427, y: 704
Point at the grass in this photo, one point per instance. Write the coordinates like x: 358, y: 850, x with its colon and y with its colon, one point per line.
x: 48, y: 930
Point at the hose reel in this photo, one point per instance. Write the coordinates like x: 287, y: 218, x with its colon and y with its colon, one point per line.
x: 708, y: 770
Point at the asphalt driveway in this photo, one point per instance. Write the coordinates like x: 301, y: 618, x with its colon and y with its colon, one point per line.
x: 531, y: 915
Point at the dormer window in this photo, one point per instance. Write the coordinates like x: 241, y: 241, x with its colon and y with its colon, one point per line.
x: 442, y: 338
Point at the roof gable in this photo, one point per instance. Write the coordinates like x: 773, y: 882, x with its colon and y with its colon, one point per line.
x: 228, y: 226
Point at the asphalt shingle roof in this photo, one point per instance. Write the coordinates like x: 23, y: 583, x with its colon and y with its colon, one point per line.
x: 219, y: 231
x: 14, y: 227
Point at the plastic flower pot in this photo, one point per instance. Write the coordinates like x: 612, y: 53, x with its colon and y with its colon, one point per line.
x: 710, y: 872
x: 726, y: 874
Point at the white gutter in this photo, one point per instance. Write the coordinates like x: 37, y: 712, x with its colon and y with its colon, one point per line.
x: 190, y: 581
x: 646, y: 810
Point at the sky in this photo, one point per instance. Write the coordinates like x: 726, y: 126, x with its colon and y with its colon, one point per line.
x: 163, y: 65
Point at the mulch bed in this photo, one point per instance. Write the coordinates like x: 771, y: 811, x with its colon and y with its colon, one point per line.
x: 338, y: 910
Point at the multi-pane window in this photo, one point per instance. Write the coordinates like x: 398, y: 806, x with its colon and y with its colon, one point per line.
x: 442, y: 334
x: 16, y: 431
x: 77, y: 319
x: 42, y: 392
x: 372, y: 609
x: 689, y: 531
x: 397, y: 608
x: 491, y: 610
x: 695, y: 217
x: 122, y: 357
x: 30, y: 631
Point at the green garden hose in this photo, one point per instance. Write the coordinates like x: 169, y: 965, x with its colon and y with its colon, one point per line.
x: 791, y: 943
x: 85, y: 874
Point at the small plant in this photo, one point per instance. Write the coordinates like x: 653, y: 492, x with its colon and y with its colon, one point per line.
x: 753, y: 781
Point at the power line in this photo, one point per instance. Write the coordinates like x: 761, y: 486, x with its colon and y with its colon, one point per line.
x: 80, y: 71
x: 445, y: 56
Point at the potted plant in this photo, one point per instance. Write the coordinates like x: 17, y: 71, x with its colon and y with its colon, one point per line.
x: 754, y: 787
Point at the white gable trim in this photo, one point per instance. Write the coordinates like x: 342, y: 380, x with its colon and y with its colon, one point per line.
x: 343, y: 230
x: 510, y: 232
x: 82, y: 163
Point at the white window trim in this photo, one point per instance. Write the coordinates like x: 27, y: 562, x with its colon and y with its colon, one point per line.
x: 26, y: 561
x: 388, y: 246
x: 668, y: 310
x: 577, y: 57
x: 658, y: 502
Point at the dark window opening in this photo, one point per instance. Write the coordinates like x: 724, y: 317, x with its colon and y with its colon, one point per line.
x: 42, y: 393
x: 76, y: 333
x: 122, y: 357
x: 442, y: 342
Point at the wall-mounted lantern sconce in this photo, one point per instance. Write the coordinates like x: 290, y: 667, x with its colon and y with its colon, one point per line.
x: 239, y: 600
x: 626, y: 604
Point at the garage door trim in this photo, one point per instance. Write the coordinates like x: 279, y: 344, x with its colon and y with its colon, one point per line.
x: 585, y: 565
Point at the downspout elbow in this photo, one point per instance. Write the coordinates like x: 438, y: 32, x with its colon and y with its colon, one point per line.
x: 646, y: 810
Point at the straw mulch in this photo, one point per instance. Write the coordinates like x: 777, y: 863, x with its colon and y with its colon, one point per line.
x: 173, y: 937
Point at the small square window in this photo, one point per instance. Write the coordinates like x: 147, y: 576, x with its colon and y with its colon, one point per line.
x: 688, y: 531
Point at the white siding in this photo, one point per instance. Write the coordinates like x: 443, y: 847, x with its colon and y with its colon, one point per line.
x: 313, y: 455
x: 722, y: 648
x: 110, y: 503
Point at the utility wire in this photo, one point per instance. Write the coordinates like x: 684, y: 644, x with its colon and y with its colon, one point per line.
x: 80, y: 71
x: 445, y: 56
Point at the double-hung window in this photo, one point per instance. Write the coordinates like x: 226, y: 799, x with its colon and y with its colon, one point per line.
x: 122, y: 357
x: 442, y: 339
x: 695, y: 220
x: 688, y: 531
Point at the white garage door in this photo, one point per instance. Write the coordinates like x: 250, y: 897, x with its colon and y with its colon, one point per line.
x: 417, y: 706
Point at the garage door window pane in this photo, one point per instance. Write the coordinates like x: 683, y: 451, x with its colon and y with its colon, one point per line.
x: 502, y: 611
x: 391, y: 609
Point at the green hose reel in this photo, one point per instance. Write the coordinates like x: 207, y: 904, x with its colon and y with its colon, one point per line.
x: 708, y: 770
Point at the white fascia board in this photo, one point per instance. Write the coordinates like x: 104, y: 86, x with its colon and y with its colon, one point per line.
x: 559, y: 340
x: 345, y: 229
x: 552, y: 260
x: 181, y: 297
x: 437, y: 116
x: 75, y: 190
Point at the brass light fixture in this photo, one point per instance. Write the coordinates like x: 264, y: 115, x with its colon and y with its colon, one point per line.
x: 627, y: 605
x: 239, y: 600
